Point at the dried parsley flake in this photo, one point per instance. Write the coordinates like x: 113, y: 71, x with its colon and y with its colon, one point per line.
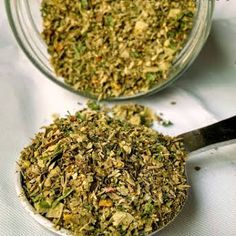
x: 115, y: 48
x: 96, y: 175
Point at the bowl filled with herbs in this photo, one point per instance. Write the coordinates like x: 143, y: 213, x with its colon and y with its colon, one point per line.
x: 111, y: 49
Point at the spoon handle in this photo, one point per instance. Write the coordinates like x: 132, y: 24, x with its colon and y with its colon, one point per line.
x: 217, y: 134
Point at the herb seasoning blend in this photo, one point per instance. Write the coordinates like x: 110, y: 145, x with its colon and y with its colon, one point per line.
x: 116, y: 48
x: 96, y: 175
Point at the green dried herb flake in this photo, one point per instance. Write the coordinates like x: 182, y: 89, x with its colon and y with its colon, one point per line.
x: 84, y: 4
x: 93, y: 105
x: 44, y: 204
x: 167, y: 123
x: 66, y: 194
x: 109, y: 20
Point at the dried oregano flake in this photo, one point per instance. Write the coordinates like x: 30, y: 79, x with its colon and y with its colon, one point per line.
x: 116, y: 48
x: 96, y: 175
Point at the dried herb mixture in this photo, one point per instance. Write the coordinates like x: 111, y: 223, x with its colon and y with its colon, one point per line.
x: 110, y: 48
x: 96, y: 175
x: 135, y: 114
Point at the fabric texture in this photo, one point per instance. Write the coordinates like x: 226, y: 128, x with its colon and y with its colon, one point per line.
x: 204, y: 94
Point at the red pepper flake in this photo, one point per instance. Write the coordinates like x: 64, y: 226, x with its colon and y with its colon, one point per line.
x: 109, y: 190
x: 73, y: 118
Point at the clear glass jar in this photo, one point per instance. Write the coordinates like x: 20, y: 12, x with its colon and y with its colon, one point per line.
x: 25, y: 20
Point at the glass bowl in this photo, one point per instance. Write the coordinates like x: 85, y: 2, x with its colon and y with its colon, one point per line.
x: 26, y: 23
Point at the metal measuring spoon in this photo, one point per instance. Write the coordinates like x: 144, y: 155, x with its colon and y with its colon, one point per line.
x: 206, y: 138
x: 215, y: 135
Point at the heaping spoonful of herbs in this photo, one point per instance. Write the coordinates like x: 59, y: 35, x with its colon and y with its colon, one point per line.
x: 92, y: 174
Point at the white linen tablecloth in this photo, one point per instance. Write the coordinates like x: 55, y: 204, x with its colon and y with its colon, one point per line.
x: 206, y: 93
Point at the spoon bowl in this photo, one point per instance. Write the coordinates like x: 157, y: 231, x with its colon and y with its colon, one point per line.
x: 218, y: 134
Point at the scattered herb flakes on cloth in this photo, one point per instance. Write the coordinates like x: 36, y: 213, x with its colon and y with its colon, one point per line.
x: 134, y: 113
x: 137, y: 114
x: 115, y: 48
x: 95, y: 175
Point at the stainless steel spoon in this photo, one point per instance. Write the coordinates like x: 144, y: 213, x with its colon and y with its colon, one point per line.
x: 215, y: 135
x: 199, y: 140
x: 218, y: 134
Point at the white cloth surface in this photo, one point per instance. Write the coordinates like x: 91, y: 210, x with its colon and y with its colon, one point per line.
x: 205, y: 93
